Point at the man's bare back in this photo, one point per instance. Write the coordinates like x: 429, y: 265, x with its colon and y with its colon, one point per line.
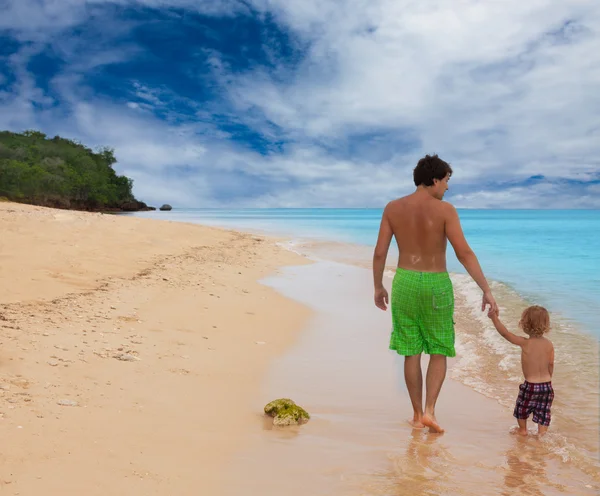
x: 418, y: 222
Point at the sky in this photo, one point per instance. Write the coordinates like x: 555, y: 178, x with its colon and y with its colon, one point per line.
x: 306, y: 103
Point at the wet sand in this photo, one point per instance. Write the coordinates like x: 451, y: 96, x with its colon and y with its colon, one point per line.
x: 358, y: 442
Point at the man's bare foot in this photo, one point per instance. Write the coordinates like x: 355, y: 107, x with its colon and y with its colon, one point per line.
x: 416, y: 424
x: 431, y: 422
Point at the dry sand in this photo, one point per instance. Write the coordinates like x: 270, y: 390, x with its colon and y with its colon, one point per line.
x: 131, y: 350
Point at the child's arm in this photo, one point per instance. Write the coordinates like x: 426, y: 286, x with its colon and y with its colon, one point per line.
x: 504, y: 332
x: 551, y: 364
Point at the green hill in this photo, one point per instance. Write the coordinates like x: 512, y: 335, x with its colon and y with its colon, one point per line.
x: 61, y: 173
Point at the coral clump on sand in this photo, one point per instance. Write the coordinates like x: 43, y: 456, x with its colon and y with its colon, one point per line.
x: 285, y: 412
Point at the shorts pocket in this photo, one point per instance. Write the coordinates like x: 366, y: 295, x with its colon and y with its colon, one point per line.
x: 443, y: 298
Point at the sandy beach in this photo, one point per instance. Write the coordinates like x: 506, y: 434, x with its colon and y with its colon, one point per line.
x: 136, y: 356
x: 131, y: 350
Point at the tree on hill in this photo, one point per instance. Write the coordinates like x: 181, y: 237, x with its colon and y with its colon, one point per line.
x: 63, y: 173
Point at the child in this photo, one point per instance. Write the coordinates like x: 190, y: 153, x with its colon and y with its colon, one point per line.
x: 537, y: 359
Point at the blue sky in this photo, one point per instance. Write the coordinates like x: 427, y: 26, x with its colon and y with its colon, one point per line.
x: 290, y: 103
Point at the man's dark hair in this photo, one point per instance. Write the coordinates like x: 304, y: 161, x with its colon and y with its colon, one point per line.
x: 430, y: 167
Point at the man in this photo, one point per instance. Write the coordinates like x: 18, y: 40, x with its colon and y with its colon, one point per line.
x: 422, y: 293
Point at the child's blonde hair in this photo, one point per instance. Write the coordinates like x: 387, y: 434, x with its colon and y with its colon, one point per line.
x: 535, y: 321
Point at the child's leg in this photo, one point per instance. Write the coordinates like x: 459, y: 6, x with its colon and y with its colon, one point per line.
x: 542, y: 415
x: 521, y: 412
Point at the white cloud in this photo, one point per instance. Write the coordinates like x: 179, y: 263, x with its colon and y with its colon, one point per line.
x: 503, y: 91
x: 481, y: 82
x: 535, y: 196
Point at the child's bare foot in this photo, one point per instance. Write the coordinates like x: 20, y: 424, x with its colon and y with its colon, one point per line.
x: 542, y: 429
x: 430, y: 421
x: 522, y: 427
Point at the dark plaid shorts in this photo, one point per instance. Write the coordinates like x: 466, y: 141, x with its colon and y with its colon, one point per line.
x: 535, y: 398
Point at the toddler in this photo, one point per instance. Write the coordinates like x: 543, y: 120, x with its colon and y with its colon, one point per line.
x: 537, y: 360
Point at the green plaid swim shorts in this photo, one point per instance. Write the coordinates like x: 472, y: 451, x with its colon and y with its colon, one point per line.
x: 422, y: 313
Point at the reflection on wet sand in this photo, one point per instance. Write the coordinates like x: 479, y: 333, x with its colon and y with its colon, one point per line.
x: 425, y: 468
x: 432, y: 465
x: 526, y: 469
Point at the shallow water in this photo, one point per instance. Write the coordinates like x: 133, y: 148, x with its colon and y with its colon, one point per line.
x: 357, y: 442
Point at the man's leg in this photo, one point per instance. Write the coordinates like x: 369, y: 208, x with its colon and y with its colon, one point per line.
x: 414, y: 383
x: 436, y: 373
x: 438, y: 323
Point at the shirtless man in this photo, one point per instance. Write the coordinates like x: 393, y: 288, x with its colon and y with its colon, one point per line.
x: 422, y: 293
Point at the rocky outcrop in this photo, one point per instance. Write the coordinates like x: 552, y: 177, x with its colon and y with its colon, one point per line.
x: 285, y: 412
x: 166, y: 207
x: 135, y: 206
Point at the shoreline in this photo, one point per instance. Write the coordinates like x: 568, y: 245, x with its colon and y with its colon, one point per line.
x: 133, y: 348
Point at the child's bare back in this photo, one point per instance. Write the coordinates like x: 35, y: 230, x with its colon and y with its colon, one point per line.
x: 537, y: 360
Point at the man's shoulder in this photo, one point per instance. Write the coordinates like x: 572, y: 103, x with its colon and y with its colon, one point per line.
x: 448, y: 211
x: 394, y: 204
x: 447, y: 207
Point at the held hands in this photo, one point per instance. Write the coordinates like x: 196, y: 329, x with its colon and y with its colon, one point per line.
x: 381, y: 298
x: 492, y: 314
x: 488, y: 299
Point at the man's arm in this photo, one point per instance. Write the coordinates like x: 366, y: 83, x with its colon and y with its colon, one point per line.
x: 466, y: 256
x: 379, y: 259
x: 381, y: 249
x: 504, y: 332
